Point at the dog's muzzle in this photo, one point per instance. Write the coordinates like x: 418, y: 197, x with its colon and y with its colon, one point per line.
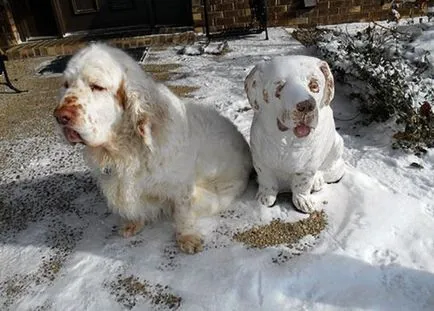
x: 66, y: 116
x: 302, y: 115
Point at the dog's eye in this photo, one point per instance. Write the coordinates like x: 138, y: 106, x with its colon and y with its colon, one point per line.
x: 96, y: 87
x: 66, y: 84
x: 313, y: 86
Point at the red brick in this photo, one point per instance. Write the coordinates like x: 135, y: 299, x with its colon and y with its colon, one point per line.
x: 338, y: 4
x: 331, y: 11
x: 225, y: 21
x: 215, y: 15
x: 280, y: 8
x: 242, y: 5
x: 224, y: 7
x: 306, y: 13
x: 232, y: 13
x: 322, y: 20
x: 287, y: 2
x: 243, y: 19
x: 322, y: 5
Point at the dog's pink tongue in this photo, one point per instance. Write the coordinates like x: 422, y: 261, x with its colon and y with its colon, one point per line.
x: 301, y: 130
x: 72, y: 136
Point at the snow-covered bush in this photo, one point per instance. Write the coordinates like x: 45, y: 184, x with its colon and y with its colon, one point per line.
x: 386, y: 77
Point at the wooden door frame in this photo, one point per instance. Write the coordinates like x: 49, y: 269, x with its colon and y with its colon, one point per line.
x: 61, y: 28
x: 23, y: 28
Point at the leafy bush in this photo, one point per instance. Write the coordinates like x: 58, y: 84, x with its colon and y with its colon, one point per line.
x: 387, y: 78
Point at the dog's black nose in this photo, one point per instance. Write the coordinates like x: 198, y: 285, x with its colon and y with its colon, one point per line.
x: 305, y: 106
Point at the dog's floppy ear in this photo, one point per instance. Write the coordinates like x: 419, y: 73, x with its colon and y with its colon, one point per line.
x: 121, y: 95
x: 252, y: 83
x: 329, y: 86
x: 147, y: 116
x: 132, y: 102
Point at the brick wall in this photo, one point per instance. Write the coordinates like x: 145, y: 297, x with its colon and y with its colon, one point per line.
x: 228, y: 14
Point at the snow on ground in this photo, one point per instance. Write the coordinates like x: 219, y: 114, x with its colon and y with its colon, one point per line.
x: 59, y: 249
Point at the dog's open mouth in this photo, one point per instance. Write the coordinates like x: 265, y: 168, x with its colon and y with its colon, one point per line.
x: 301, y: 130
x: 72, y: 136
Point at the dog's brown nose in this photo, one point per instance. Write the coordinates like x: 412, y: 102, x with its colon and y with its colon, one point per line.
x: 65, y: 114
x: 305, y: 106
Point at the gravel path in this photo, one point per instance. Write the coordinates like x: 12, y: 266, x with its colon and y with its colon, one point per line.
x: 27, y: 114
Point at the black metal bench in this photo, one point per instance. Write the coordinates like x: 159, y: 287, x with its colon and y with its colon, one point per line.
x: 3, y: 71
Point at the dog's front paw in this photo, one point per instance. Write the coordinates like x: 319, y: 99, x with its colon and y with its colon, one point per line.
x: 189, y: 243
x: 131, y: 228
x: 266, y: 197
x: 318, y: 182
x: 304, y: 203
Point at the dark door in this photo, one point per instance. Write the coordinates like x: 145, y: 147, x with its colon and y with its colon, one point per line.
x: 173, y: 12
x: 34, y: 18
x: 85, y: 15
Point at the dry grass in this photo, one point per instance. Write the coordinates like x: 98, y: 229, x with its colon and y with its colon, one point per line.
x: 160, y: 67
x: 278, y: 232
x: 162, y: 76
x: 161, y: 72
x: 158, y: 48
x: 183, y: 90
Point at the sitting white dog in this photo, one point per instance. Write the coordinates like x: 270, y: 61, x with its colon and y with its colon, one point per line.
x: 294, y: 144
x: 151, y: 152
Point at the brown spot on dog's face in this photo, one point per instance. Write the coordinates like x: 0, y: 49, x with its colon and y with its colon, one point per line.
x: 121, y: 95
x: 279, y: 88
x: 313, y: 85
x: 68, y: 100
x: 265, y: 95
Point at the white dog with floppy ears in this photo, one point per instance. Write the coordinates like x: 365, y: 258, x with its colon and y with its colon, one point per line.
x: 294, y: 144
x: 151, y: 152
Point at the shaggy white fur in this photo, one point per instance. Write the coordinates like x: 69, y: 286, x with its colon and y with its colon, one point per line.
x: 151, y: 152
x: 295, y: 146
